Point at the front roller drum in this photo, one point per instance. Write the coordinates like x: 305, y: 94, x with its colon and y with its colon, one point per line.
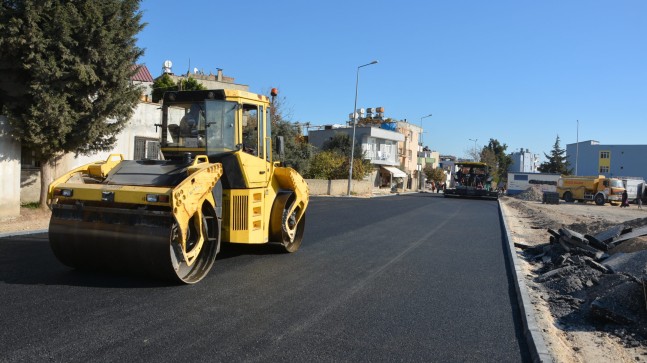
x: 133, y: 241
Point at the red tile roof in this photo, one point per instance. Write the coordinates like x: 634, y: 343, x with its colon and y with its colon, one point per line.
x: 142, y: 75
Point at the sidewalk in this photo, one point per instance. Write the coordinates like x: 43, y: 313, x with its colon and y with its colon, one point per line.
x: 30, y: 220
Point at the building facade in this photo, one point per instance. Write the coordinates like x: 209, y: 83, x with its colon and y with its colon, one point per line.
x: 209, y: 81
x: 592, y: 158
x: 379, y: 146
x: 408, y: 153
x: 427, y: 158
x: 523, y: 161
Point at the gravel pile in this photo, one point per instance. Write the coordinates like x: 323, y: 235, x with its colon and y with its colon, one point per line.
x: 533, y: 193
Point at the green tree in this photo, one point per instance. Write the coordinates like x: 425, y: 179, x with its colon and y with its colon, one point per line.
x: 65, y: 68
x: 556, y: 162
x: 331, y: 164
x: 325, y: 165
x: 333, y: 160
x: 341, y: 143
x: 161, y: 85
x: 502, y: 160
x: 487, y: 156
x: 298, y: 152
x: 191, y: 84
x: 434, y: 174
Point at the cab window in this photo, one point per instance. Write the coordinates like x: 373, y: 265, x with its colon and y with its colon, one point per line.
x: 251, y: 131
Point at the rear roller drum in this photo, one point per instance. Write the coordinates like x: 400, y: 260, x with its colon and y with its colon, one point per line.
x: 285, y: 231
x: 292, y: 233
x: 193, y: 261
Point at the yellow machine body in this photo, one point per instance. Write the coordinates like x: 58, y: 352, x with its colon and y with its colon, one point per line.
x: 168, y: 217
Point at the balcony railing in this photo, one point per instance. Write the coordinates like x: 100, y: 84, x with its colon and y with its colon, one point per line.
x: 379, y: 156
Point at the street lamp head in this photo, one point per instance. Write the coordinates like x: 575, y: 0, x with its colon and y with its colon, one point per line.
x: 367, y: 64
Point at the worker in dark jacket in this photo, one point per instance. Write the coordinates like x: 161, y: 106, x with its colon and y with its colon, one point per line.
x: 625, y: 202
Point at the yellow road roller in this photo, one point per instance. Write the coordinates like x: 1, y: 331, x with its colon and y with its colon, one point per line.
x: 217, y: 183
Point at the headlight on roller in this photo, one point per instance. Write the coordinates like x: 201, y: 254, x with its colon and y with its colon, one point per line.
x: 157, y: 198
x: 63, y: 192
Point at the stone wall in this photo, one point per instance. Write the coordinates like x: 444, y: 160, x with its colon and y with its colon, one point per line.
x: 339, y: 187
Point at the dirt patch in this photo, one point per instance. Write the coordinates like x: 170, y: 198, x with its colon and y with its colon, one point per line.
x: 30, y: 219
x: 563, y: 286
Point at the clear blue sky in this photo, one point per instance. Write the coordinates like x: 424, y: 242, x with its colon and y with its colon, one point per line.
x: 521, y: 72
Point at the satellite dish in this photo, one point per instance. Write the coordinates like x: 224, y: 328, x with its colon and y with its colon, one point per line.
x: 195, y: 70
x: 168, y: 64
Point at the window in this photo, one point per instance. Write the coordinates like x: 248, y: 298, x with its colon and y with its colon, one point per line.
x: 251, y: 132
x: 268, y: 133
x: 28, y: 159
x: 221, y: 116
x: 521, y: 177
x: 146, y: 148
x: 604, y: 169
x: 605, y: 154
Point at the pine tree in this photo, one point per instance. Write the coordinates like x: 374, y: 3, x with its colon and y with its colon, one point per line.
x: 65, y: 69
x: 556, y: 163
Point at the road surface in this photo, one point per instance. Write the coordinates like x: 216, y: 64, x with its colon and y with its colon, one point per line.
x: 402, y: 278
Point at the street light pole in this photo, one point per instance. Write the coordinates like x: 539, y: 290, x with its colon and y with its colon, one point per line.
x: 421, y: 175
x: 577, y: 146
x: 421, y: 126
x: 352, y: 141
x: 475, y: 140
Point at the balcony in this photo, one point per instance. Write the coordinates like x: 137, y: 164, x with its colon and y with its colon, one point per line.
x: 380, y: 157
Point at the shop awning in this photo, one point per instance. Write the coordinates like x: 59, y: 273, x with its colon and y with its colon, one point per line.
x: 397, y: 173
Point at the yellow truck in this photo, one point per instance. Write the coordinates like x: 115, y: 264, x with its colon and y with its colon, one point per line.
x: 590, y: 188
x: 218, y: 183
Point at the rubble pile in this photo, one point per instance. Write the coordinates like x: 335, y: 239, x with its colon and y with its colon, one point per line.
x: 533, y: 193
x: 589, y: 283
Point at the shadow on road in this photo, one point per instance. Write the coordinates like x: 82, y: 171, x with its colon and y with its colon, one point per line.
x: 29, y: 260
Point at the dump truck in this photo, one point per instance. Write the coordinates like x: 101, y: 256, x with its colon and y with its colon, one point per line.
x: 167, y: 218
x: 590, y: 188
x: 470, y: 179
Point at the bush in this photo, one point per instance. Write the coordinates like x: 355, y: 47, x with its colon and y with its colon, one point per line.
x: 330, y: 165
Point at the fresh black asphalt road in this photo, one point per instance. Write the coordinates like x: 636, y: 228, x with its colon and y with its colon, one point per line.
x: 401, y: 278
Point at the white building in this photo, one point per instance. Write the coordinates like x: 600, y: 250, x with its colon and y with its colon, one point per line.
x: 380, y: 146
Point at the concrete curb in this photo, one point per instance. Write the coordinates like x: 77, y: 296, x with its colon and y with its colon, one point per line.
x: 536, y: 344
x: 22, y: 233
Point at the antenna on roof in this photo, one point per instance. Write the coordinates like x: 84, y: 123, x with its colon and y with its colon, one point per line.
x: 166, y: 67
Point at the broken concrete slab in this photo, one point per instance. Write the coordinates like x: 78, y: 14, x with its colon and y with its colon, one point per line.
x: 597, y: 266
x: 609, y: 234
x: 630, y: 309
x: 633, y: 264
x: 593, y: 241
x: 553, y: 273
x: 636, y: 232
x: 572, y: 235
